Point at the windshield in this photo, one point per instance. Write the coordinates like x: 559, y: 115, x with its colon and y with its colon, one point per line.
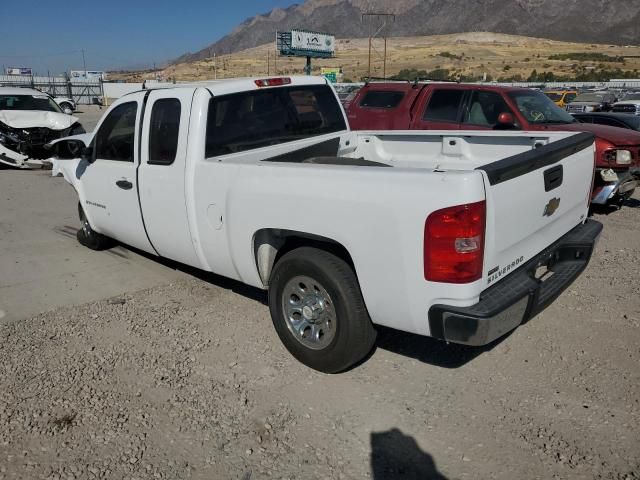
x: 556, y: 97
x: 29, y: 102
x: 590, y: 97
x: 538, y: 108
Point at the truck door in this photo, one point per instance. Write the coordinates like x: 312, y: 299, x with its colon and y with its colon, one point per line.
x: 165, y: 129
x: 441, y: 111
x: 109, y: 185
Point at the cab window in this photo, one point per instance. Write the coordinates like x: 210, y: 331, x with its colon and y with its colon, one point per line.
x: 116, y: 137
x: 249, y: 120
x: 444, y: 106
x: 484, y: 108
x: 381, y: 99
x: 164, y: 128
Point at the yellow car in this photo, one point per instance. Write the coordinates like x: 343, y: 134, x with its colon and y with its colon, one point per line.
x: 561, y: 97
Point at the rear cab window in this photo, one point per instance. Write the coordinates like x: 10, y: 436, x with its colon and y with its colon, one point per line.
x: 249, y: 120
x: 163, y: 131
x: 381, y: 99
x: 444, y: 106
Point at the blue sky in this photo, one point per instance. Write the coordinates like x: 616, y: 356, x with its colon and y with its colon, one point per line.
x: 49, y: 36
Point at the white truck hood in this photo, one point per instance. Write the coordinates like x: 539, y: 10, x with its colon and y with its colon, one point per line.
x: 36, y: 118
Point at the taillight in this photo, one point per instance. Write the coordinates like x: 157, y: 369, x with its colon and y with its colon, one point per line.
x: 454, y: 244
x: 273, y: 82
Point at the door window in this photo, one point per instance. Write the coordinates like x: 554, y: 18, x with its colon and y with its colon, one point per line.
x: 116, y: 137
x: 484, y: 109
x: 248, y: 120
x: 164, y: 128
x: 444, y: 106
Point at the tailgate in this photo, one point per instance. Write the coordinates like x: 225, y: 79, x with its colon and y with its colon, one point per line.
x: 533, y: 199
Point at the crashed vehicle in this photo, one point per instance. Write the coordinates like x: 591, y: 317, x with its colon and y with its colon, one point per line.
x: 29, y: 119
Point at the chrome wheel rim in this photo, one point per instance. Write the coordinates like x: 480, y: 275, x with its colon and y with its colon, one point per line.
x: 309, y: 312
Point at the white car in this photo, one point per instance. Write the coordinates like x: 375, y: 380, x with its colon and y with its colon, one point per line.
x: 630, y: 104
x: 460, y: 235
x: 67, y: 105
x: 29, y: 119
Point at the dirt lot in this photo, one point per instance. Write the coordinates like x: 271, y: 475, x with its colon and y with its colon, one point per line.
x: 187, y: 379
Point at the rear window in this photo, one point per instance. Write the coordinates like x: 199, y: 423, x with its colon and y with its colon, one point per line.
x: 381, y: 99
x: 248, y: 120
x: 444, y: 106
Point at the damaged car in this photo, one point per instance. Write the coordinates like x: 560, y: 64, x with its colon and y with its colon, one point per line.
x: 29, y: 119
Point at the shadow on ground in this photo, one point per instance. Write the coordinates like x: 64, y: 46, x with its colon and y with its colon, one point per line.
x: 429, y: 350
x: 424, y: 349
x: 124, y: 251
x: 395, y: 455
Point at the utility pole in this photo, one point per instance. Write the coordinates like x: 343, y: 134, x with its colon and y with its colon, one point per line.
x: 215, y: 66
x: 84, y: 63
x: 268, y: 63
x: 379, y: 24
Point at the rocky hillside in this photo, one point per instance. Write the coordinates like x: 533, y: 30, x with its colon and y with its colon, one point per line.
x: 586, y: 21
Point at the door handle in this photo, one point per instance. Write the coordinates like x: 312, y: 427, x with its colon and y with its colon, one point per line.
x: 124, y: 184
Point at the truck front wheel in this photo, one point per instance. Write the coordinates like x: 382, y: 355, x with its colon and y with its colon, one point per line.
x: 88, y: 237
x: 318, y: 310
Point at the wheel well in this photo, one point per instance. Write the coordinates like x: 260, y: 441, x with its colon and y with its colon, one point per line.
x: 270, y: 244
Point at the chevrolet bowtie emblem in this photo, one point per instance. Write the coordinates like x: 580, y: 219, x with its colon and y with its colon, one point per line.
x: 551, y: 207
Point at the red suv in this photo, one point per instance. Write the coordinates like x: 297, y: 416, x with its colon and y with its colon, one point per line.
x: 452, y: 106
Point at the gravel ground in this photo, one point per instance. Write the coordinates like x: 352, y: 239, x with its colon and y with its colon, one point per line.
x: 189, y: 380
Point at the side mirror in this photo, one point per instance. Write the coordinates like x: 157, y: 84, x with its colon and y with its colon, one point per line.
x: 506, y: 120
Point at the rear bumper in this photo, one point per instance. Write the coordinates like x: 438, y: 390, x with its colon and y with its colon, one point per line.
x: 520, y: 296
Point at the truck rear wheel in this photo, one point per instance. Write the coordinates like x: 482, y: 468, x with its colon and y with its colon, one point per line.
x: 89, y: 237
x: 318, y: 310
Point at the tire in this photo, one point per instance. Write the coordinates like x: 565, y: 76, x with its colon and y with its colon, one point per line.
x: 88, y: 237
x: 324, y: 325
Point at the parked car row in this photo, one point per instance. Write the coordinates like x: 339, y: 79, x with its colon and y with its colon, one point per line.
x: 443, y: 231
x: 452, y: 106
x: 596, y: 101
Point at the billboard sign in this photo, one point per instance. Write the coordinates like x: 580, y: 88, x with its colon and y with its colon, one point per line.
x: 301, y: 43
x: 86, y: 75
x: 19, y: 71
x: 317, y: 42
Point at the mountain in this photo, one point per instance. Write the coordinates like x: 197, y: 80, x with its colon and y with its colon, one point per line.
x: 584, y: 21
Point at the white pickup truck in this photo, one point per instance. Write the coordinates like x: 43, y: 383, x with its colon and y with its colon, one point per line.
x: 457, y: 235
